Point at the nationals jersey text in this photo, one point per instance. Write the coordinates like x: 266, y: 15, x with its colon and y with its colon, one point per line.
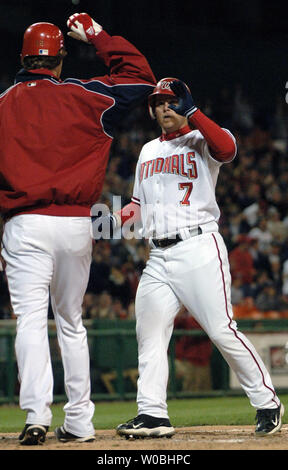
x: 174, y: 164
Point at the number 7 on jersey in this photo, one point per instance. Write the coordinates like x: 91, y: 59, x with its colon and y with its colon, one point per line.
x: 188, y: 187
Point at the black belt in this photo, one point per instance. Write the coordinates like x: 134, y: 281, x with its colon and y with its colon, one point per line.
x: 164, y: 242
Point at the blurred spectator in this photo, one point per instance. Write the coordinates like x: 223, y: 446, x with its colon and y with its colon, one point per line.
x: 262, y: 234
x: 193, y: 354
x: 136, y: 249
x: 118, y: 309
x: 132, y: 275
x: 276, y: 274
x: 236, y: 222
x: 260, y: 137
x: 119, y: 252
x: 89, y: 305
x: 276, y: 199
x: 119, y: 286
x: 275, y: 225
x: 224, y: 229
x: 237, y: 291
x: 268, y: 298
x: 241, y: 261
x: 100, y: 269
x: 260, y: 280
x: 260, y: 259
x: 250, y: 201
x: 253, y: 213
x: 104, y: 307
x: 285, y: 278
x: 131, y: 311
x: 275, y: 252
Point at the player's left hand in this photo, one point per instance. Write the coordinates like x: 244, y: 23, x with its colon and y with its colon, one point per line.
x: 83, y: 27
x: 186, y: 106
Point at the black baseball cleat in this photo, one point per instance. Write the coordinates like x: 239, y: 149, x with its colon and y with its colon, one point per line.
x: 33, y: 434
x: 64, y: 436
x: 269, y: 421
x: 146, y: 426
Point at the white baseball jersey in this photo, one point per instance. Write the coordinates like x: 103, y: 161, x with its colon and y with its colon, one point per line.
x: 175, y: 184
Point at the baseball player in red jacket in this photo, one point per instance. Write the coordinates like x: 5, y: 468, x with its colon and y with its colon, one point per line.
x: 55, y: 140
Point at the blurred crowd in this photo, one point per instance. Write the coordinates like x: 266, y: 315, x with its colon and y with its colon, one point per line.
x: 253, y: 198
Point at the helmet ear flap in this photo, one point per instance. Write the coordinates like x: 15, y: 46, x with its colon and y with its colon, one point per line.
x: 151, y: 107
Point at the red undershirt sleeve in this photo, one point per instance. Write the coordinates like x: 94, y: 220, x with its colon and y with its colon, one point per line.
x: 221, y: 144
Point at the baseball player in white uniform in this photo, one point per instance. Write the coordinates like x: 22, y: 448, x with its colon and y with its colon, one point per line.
x: 174, y: 189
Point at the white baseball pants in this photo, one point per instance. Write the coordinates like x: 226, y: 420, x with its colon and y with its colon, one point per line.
x: 195, y: 273
x: 45, y: 252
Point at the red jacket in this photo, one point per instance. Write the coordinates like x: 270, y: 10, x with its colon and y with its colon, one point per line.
x: 56, y: 135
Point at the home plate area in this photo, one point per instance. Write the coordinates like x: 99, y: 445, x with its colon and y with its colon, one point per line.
x: 192, y: 438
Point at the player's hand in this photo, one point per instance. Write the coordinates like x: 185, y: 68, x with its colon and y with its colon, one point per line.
x: 83, y: 27
x: 104, y: 226
x: 186, y: 106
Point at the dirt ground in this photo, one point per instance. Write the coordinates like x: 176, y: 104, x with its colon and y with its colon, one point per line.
x: 194, y: 438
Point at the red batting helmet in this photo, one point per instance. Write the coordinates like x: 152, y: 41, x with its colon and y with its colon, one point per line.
x: 43, y: 39
x: 162, y: 88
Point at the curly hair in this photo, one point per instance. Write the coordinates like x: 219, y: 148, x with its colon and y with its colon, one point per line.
x: 47, y: 62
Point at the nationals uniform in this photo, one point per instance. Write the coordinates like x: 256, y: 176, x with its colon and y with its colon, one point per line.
x: 175, y: 182
x: 55, y: 142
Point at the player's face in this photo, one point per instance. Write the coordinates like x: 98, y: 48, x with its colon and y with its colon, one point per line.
x: 166, y: 117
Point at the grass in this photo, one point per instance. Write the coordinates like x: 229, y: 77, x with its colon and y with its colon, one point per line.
x: 182, y: 412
